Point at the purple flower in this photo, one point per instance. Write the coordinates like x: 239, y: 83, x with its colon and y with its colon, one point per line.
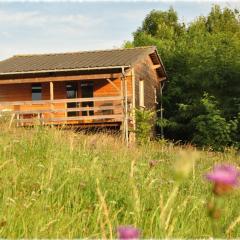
x: 225, y: 174
x: 224, y: 177
x: 128, y: 232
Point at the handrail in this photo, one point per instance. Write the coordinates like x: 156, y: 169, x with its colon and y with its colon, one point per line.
x: 72, y: 100
x: 63, y: 110
x: 48, y: 112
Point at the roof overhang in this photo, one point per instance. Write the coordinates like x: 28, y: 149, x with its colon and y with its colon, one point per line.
x: 112, y: 72
x: 150, y: 51
x: 156, y: 59
x: 64, y: 70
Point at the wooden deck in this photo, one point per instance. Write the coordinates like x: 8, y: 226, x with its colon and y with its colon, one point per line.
x: 55, y: 112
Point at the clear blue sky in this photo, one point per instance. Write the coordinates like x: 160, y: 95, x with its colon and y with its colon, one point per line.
x: 39, y: 27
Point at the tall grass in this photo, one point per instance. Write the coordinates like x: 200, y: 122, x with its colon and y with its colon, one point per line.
x: 61, y: 184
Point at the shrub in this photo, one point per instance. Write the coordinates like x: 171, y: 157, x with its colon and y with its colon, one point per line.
x: 144, y: 125
x: 211, y: 128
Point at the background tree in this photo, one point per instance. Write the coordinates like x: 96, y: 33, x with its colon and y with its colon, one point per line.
x: 203, y: 62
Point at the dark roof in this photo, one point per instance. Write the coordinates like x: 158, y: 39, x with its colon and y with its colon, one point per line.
x: 75, y: 61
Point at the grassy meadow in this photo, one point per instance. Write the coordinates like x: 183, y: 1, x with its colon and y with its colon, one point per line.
x: 61, y: 184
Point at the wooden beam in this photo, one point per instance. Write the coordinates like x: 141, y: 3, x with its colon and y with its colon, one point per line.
x: 78, y: 118
x: 114, y: 85
x: 95, y: 124
x: 156, y: 66
x: 41, y: 102
x: 133, y: 138
x: 125, y: 107
x: 51, y: 91
x: 100, y: 108
x: 162, y: 78
x: 60, y: 78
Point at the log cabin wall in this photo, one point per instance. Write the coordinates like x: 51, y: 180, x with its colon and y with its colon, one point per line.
x: 144, y: 71
x: 15, y: 92
x: 103, y: 89
x: 23, y: 92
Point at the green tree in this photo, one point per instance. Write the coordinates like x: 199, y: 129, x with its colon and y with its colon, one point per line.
x: 201, y: 57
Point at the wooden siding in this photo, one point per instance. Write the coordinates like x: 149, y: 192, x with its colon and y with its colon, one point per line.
x: 102, y: 88
x: 145, y: 71
x: 15, y: 92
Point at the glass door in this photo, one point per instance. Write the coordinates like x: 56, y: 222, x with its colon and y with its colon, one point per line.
x: 87, y: 89
x: 71, y: 89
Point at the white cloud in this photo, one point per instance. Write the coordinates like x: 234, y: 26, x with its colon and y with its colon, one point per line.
x: 16, y: 17
x: 42, y: 27
x: 37, y: 31
x: 34, y: 18
x: 26, y: 48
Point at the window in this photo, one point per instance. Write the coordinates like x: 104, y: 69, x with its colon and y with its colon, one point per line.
x: 87, y: 91
x: 141, y: 93
x: 155, y: 96
x: 36, y: 92
x: 72, y: 92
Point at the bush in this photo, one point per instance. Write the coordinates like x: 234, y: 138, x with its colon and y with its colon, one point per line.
x: 211, y: 128
x: 144, y: 125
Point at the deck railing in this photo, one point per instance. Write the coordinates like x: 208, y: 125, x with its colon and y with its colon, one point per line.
x: 61, y: 111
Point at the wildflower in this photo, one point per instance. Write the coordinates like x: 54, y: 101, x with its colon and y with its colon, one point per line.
x: 153, y: 163
x: 225, y: 178
x: 128, y: 232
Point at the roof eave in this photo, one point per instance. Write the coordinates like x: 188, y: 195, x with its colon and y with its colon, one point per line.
x: 65, y: 70
x: 161, y: 63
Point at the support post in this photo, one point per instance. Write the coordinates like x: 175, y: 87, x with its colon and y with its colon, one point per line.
x: 125, y: 94
x: 18, y: 118
x: 133, y: 110
x: 51, y: 91
x: 51, y: 98
x: 161, y: 108
x: 123, y: 111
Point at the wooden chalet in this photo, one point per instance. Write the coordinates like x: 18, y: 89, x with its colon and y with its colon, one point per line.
x: 90, y: 88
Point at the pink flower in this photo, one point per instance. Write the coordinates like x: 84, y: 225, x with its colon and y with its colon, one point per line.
x: 128, y: 232
x: 224, y: 177
x: 225, y: 174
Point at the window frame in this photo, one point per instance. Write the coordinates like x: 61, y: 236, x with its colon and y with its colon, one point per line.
x: 141, y: 94
x: 155, y: 96
x: 37, y: 90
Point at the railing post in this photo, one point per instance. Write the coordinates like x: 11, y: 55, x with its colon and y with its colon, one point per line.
x: 125, y: 102
x: 43, y: 114
x: 123, y: 111
x: 51, y: 98
x: 133, y: 109
x: 17, y: 120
